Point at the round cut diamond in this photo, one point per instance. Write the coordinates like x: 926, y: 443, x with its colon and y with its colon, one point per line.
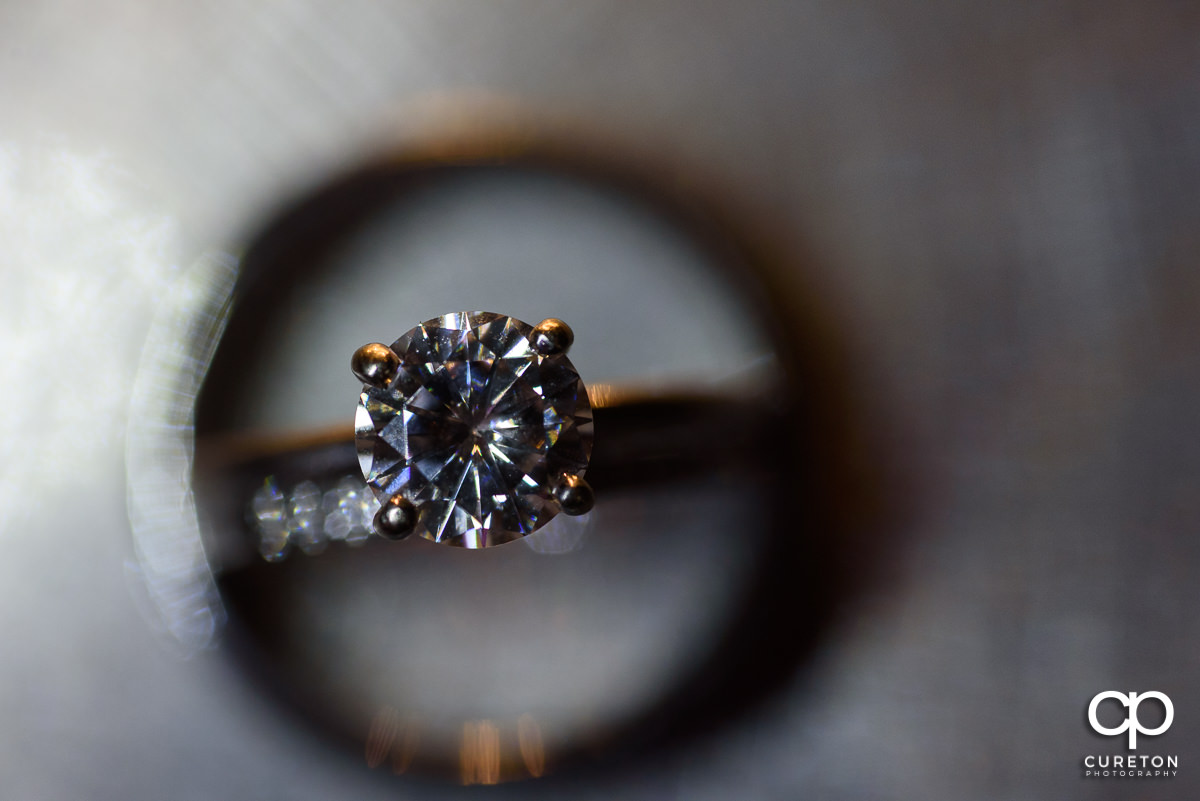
x: 475, y: 429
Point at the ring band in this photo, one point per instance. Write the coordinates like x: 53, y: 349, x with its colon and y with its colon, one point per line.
x: 649, y: 438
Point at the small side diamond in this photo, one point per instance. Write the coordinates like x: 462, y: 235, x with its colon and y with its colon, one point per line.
x: 269, y: 518
x: 349, y: 508
x: 305, y: 520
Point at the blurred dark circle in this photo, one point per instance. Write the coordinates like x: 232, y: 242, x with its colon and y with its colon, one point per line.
x: 805, y: 512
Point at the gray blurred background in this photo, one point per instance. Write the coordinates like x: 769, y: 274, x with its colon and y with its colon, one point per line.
x: 1005, y: 204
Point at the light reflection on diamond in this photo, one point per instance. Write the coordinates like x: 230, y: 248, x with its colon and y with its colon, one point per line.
x: 474, y: 429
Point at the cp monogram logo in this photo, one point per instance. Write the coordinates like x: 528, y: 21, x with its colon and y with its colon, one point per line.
x: 1131, y: 723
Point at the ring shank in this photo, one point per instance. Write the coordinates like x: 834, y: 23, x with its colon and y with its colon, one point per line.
x: 646, y: 438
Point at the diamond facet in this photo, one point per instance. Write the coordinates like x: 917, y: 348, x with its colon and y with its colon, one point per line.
x: 476, y: 429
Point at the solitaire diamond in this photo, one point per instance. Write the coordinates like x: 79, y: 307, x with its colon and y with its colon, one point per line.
x: 480, y: 428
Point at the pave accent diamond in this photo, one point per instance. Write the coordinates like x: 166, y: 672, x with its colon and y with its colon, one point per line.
x: 475, y: 429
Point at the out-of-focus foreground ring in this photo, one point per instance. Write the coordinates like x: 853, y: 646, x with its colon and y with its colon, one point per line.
x: 206, y: 501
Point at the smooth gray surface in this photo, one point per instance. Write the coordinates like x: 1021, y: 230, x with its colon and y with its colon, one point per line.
x: 1004, y: 200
